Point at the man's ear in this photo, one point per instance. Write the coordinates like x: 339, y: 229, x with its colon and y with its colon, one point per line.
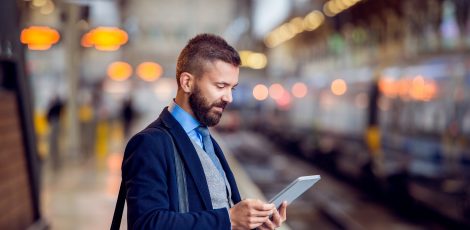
x: 187, y: 82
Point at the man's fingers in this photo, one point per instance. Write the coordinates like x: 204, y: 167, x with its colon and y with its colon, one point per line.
x: 283, y: 211
x: 258, y: 214
x: 269, y: 225
x: 276, y: 219
x: 257, y: 220
x: 261, y: 206
x: 261, y: 213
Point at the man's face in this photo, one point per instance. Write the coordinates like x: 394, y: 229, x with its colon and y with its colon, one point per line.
x: 213, y: 91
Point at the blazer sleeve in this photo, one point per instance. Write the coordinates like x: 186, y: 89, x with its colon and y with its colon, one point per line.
x: 145, y: 170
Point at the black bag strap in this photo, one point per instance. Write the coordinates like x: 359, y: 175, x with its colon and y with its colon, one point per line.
x: 116, y: 224
x: 182, y: 190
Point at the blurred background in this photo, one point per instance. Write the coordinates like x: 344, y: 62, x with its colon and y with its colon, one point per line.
x: 373, y: 95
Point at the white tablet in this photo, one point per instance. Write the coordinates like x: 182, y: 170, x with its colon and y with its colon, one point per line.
x: 294, y: 190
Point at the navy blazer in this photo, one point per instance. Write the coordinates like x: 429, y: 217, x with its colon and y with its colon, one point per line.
x: 149, y: 174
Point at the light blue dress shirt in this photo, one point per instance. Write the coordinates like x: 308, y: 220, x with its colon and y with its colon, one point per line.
x: 188, y: 122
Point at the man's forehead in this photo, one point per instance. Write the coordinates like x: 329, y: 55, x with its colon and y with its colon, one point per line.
x: 221, y: 71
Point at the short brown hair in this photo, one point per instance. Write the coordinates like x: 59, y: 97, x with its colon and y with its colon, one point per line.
x: 202, y: 49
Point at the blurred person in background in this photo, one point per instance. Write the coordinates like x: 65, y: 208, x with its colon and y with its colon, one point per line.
x: 206, y: 73
x: 127, y: 115
x: 54, y: 114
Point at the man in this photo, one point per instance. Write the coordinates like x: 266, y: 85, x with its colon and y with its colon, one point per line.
x: 206, y: 72
x: 54, y: 115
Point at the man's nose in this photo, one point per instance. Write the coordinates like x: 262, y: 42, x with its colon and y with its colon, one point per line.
x: 228, y: 97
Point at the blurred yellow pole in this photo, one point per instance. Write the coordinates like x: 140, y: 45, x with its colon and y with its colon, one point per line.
x: 42, y: 128
x: 373, y: 140
x: 102, y: 137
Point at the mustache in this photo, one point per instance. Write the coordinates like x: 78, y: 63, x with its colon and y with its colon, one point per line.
x: 220, y: 104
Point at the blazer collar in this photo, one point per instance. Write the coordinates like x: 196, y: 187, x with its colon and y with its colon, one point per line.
x: 188, y: 155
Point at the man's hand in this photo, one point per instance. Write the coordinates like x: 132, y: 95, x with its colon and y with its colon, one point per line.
x: 249, y: 214
x: 278, y: 218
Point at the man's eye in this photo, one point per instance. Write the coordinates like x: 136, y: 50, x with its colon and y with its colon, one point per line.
x: 220, y: 86
x: 233, y: 89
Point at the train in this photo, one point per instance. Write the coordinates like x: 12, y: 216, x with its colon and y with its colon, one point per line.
x: 401, y: 132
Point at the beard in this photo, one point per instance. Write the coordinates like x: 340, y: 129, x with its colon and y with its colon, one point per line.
x: 202, y: 109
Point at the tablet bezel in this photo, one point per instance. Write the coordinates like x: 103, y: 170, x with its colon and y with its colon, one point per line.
x: 294, y: 185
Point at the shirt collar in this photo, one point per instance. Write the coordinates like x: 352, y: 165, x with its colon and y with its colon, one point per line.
x: 187, y: 121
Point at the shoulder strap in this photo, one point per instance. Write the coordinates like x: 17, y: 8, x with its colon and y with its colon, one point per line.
x: 181, y: 179
x: 119, y: 207
x: 182, y: 190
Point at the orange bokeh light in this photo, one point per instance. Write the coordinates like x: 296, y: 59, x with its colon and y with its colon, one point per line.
x: 299, y: 90
x: 422, y: 89
x: 39, y: 37
x: 404, y: 86
x: 285, y: 100
x: 260, y: 92
x: 119, y: 71
x: 417, y: 88
x: 276, y: 91
x: 339, y: 87
x: 105, y: 38
x: 86, y: 40
x: 388, y: 87
x: 149, y: 71
x: 430, y: 91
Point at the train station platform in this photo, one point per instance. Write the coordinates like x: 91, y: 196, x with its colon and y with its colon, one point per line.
x: 82, y: 193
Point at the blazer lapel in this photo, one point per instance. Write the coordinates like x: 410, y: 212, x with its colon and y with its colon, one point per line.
x: 188, y: 155
x: 228, y: 173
